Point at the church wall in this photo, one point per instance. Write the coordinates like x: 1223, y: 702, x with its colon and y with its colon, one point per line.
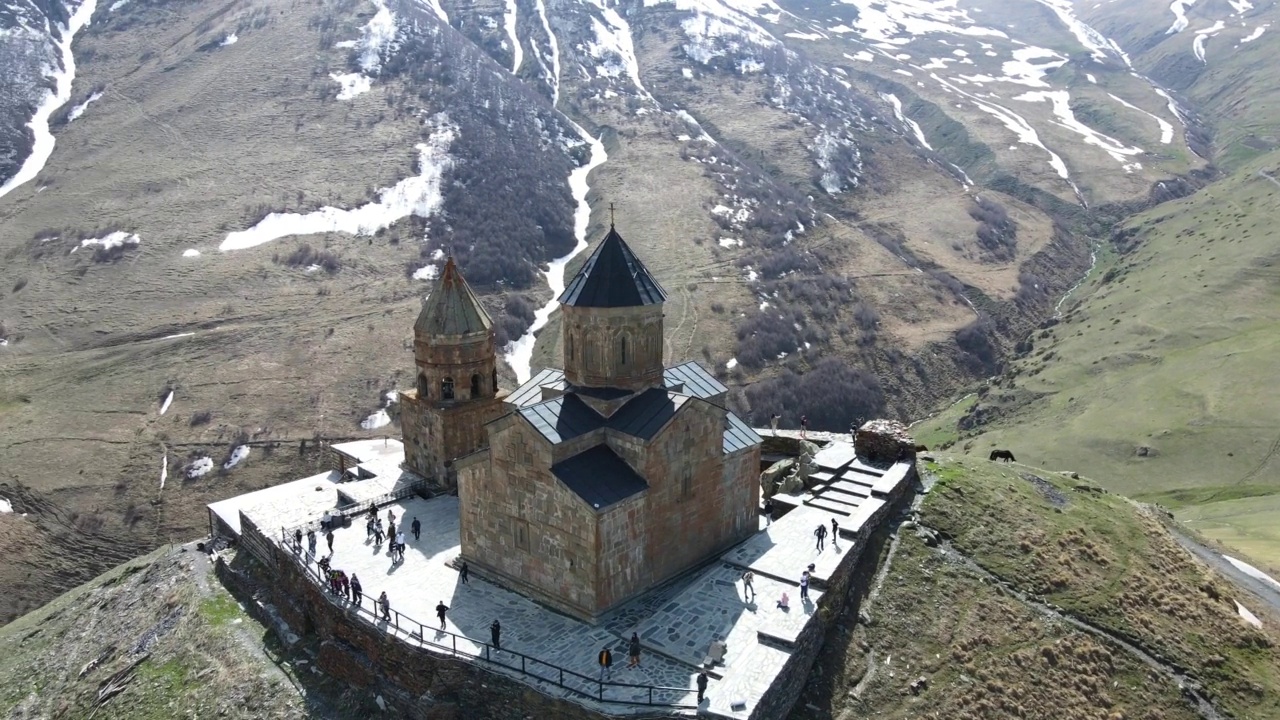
x: 622, y: 566
x: 592, y: 340
x: 523, y: 524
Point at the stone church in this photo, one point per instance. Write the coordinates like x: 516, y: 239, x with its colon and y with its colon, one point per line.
x: 591, y: 484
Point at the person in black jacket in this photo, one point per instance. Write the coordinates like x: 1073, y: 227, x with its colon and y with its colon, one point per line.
x: 633, y: 649
x: 702, y: 685
x: 606, y: 662
x: 495, y: 634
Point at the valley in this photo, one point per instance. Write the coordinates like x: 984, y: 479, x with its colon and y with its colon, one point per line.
x: 856, y: 209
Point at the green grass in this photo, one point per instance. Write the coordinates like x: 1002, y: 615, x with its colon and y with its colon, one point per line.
x: 1103, y: 559
x: 1172, y: 348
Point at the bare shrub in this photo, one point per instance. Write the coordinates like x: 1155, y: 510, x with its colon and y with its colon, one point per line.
x: 997, y: 232
x: 21, y: 283
x: 832, y: 394
x: 204, y: 417
x: 306, y: 256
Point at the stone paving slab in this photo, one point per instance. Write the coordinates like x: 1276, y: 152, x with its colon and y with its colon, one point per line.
x: 424, y: 578
x: 837, y: 510
x: 787, y: 547
x: 849, y: 487
x: 889, y: 483
x: 835, y: 456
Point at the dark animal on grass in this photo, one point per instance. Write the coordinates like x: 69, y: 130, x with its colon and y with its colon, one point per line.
x: 1002, y: 455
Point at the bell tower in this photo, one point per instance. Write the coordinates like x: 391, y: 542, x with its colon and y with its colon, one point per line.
x: 612, y: 321
x: 456, y: 386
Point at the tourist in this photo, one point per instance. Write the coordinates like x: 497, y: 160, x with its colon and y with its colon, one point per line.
x: 391, y: 517
x: 784, y: 602
x: 768, y: 511
x: 328, y: 537
x: 297, y: 539
x: 804, y: 585
x: 606, y: 662
x: 633, y: 650
x: 702, y: 686
x: 368, y: 529
x: 748, y: 578
x: 773, y: 422
x: 344, y: 585
x: 357, y: 592
x: 391, y: 531
x: 821, y: 534
x: 463, y: 572
x: 835, y: 531
x: 417, y: 530
x: 377, y: 531
x: 441, y: 609
x: 804, y: 426
x: 495, y: 634
x: 311, y: 541
x: 400, y: 547
x: 385, y: 604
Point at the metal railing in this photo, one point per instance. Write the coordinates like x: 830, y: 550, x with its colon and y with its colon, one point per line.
x: 421, y: 488
x: 395, y: 623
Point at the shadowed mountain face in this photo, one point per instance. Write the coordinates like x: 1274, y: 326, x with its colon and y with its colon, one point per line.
x: 854, y: 209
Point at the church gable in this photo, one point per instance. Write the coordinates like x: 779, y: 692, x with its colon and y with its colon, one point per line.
x: 599, y: 477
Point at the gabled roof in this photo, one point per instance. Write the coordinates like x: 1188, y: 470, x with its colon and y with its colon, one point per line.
x: 452, y: 308
x: 613, y: 277
x: 738, y: 435
x: 530, y: 393
x: 645, y: 414
x: 562, y: 418
x: 691, y: 378
x: 599, y: 477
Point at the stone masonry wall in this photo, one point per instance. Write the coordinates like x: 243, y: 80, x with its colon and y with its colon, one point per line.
x: 422, y: 683
x: 785, y: 690
x: 554, y: 559
x: 592, y: 340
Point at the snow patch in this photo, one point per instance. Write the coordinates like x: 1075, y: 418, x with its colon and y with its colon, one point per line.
x: 1179, y: 10
x: 902, y: 21
x: 1061, y: 102
x: 1247, y: 616
x: 352, y: 84
x: 191, y: 252
x: 426, y: 272
x: 230, y: 39
x: 237, y: 456
x: 1257, y: 33
x: 1252, y: 571
x: 861, y: 56
x: 805, y: 36
x: 1202, y: 36
x: 417, y: 195
x: 199, y: 467
x: 1091, y: 78
x: 555, y: 52
x: 1241, y: 6
x: 1022, y: 71
x: 78, y: 110
x: 615, y: 39
x: 1166, y: 129
x: 168, y: 400
x: 733, y: 363
x: 112, y: 240
x: 897, y: 112
x: 164, y: 469
x: 376, y: 420
x: 42, y: 146
x: 5, y: 506
x: 1088, y: 37
x: 728, y: 242
x: 509, y: 20
x: 519, y: 354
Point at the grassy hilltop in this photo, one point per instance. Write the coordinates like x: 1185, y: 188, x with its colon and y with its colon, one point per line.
x: 966, y: 602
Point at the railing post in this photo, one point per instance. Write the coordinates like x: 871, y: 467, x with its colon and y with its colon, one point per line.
x: 650, y: 694
x: 561, y: 677
x: 522, y: 670
x: 455, y: 643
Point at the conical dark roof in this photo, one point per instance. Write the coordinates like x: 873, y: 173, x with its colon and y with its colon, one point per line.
x: 613, y: 277
x: 452, y: 308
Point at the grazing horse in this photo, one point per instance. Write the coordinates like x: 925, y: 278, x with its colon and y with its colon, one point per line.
x: 1002, y: 455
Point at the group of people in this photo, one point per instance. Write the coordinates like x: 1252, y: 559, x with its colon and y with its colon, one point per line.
x: 347, y: 588
x: 774, y: 418
x: 373, y: 529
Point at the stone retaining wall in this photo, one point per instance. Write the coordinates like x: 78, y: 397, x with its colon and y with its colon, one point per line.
x: 785, y: 690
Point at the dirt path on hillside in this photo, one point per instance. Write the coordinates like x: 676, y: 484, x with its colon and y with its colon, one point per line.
x: 1214, y: 559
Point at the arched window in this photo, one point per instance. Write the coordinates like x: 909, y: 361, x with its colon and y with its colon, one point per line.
x: 624, y: 349
x: 422, y: 386
x: 475, y: 385
x: 446, y: 389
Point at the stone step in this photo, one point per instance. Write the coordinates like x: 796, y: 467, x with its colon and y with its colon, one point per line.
x: 834, y: 507
x: 841, y: 499
x: 848, y: 487
x: 821, y: 477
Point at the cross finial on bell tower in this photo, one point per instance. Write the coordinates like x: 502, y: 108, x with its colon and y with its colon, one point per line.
x: 610, y: 216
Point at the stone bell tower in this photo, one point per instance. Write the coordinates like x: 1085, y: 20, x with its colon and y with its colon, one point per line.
x: 612, y: 322
x: 456, y: 389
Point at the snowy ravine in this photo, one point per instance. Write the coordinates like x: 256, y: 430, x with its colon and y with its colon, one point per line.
x: 417, y: 195
x: 902, y: 118
x: 42, y: 148
x: 517, y: 52
x: 519, y: 354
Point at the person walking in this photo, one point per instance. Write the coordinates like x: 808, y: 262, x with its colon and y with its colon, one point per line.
x: 400, y: 541
x: 311, y: 541
x: 633, y: 650
x: 804, y: 426
x: 804, y: 585
x: 391, y: 531
x: 495, y: 634
x: 328, y: 538
x: 463, y: 572
x: 391, y: 517
x: 748, y: 578
x: 835, y: 531
x: 773, y: 422
x: 441, y: 609
x: 768, y: 512
x: 368, y: 528
x: 417, y: 530
x: 344, y: 584
x: 606, y: 662
x: 385, y: 605
x: 821, y: 534
x: 357, y: 592
x: 297, y: 539
x: 377, y: 531
x: 702, y: 686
